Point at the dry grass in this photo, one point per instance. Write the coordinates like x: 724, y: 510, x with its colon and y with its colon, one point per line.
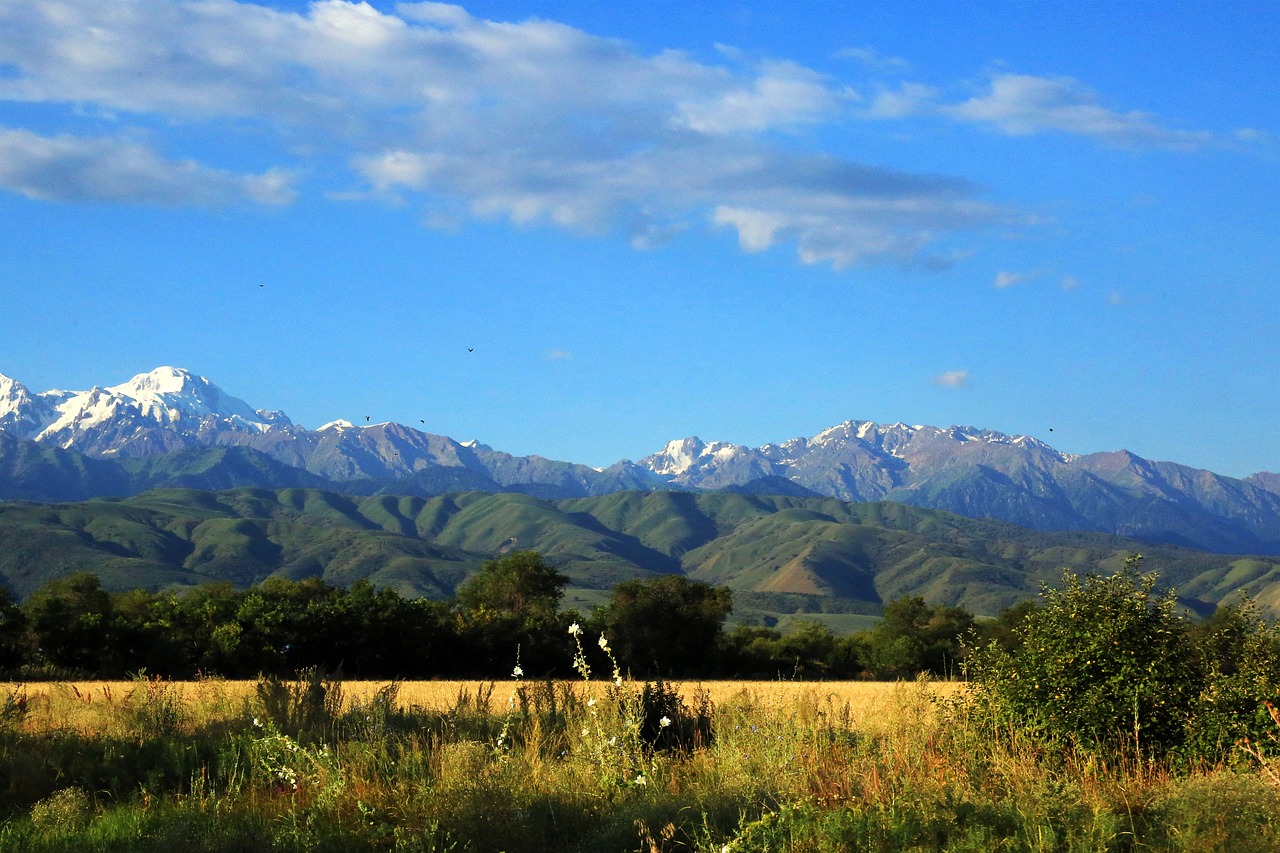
x: 867, y: 697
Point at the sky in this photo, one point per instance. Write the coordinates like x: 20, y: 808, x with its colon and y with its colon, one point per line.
x: 583, y: 229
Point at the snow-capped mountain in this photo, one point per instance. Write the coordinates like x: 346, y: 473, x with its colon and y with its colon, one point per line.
x: 170, y: 412
x: 154, y: 412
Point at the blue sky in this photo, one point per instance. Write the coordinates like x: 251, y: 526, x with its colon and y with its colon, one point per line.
x: 581, y: 229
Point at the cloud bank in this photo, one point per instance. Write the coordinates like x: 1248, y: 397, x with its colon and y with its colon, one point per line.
x: 534, y: 122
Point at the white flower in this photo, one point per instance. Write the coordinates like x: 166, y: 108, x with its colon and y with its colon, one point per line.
x: 585, y: 732
x: 640, y: 780
x: 664, y: 722
x: 517, y: 672
x: 257, y: 724
x: 604, y: 644
x: 617, y: 679
x: 591, y: 703
x: 575, y: 629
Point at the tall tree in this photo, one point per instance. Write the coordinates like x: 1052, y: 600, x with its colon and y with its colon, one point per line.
x: 669, y: 626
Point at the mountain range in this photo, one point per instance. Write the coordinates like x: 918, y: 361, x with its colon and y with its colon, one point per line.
x: 172, y: 428
x: 834, y: 560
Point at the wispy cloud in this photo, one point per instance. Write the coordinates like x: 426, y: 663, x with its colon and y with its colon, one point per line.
x: 1009, y: 279
x: 70, y: 168
x: 909, y: 99
x: 534, y: 122
x: 559, y: 355
x: 874, y: 59
x: 952, y: 379
x: 1022, y: 105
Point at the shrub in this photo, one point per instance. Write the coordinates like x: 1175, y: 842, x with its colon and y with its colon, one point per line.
x: 1104, y: 665
x: 1240, y: 654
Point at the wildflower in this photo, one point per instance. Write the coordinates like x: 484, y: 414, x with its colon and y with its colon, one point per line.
x: 617, y: 679
x: 591, y: 703
x: 664, y: 722
x: 257, y: 724
x: 575, y: 629
x: 640, y: 780
x: 517, y: 672
x: 604, y: 643
x: 585, y: 732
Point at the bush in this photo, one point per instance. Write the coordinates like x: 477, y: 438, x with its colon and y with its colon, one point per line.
x: 1240, y: 656
x: 1104, y: 665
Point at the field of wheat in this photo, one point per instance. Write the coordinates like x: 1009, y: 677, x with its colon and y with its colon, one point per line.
x: 516, y: 765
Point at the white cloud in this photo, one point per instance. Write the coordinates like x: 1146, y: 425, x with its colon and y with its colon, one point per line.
x: 1070, y: 282
x: 783, y: 95
x: 1009, y: 279
x: 535, y: 122
x: 909, y: 99
x: 1022, y: 104
x: 952, y: 379
x: 71, y: 168
x: 559, y: 355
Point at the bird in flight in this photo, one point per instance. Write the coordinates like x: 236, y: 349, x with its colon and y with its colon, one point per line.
x: 471, y: 349
x: 366, y: 417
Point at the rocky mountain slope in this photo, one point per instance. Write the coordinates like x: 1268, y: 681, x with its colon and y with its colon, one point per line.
x: 161, y: 428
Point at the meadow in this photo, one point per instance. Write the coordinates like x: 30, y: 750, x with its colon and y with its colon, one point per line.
x: 594, y: 765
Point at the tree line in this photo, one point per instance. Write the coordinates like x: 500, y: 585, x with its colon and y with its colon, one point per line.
x: 507, y: 615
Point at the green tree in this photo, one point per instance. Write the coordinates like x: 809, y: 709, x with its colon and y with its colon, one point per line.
x: 914, y: 636
x: 520, y: 583
x: 1105, y: 664
x: 1239, y: 654
x: 14, y: 639
x: 509, y: 612
x: 71, y: 619
x: 669, y: 626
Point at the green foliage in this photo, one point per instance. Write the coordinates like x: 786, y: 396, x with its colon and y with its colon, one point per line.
x: 915, y: 637
x: 667, y: 625
x: 1240, y: 659
x: 776, y: 548
x: 1105, y: 664
x: 71, y: 619
x: 14, y: 648
x: 520, y: 583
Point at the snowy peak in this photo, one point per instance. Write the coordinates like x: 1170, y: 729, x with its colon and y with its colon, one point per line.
x: 164, y: 409
x: 170, y: 395
x: 681, y: 456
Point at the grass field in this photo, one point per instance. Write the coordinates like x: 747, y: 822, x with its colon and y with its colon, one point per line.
x: 525, y: 766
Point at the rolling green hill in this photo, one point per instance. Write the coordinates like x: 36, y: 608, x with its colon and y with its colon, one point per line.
x: 779, y: 554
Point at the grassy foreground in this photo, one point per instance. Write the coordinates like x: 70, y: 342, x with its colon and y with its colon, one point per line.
x: 518, y: 766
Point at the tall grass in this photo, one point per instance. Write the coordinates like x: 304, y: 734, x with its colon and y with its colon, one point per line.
x: 313, y: 764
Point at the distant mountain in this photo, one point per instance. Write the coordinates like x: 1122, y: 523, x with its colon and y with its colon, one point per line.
x: 159, y: 428
x: 784, y: 554
x: 986, y: 474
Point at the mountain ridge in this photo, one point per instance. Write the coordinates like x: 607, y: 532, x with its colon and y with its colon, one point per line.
x: 170, y: 414
x: 813, y: 552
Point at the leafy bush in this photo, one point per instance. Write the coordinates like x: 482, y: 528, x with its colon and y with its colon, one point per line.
x: 1104, y: 665
x: 1240, y: 656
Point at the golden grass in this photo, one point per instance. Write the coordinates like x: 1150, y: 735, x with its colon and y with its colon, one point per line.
x: 84, y: 705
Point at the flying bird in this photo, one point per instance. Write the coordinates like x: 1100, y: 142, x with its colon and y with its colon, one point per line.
x: 366, y: 417
x: 470, y: 349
